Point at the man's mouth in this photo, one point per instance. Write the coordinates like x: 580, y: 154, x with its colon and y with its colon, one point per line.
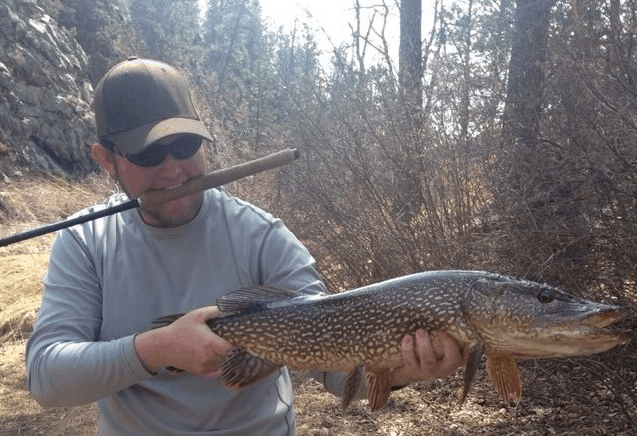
x: 168, y: 193
x: 175, y: 185
x: 169, y: 188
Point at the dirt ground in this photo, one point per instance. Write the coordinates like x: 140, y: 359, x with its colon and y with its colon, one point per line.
x: 582, y: 396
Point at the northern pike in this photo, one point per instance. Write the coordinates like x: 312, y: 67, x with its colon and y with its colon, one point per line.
x: 360, y: 331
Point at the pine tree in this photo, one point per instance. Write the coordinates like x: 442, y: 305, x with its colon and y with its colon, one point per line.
x: 103, y: 31
x: 233, y: 38
x: 169, y: 28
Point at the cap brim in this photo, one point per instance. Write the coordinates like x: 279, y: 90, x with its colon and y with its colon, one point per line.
x: 136, y: 140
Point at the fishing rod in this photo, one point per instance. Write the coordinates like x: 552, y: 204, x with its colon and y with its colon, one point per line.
x: 207, y: 181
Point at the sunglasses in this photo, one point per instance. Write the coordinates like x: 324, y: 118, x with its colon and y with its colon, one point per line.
x: 183, y: 147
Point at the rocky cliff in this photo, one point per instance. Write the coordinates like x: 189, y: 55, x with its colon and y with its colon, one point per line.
x: 46, y: 85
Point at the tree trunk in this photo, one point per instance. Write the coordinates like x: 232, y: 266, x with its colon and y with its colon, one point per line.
x: 410, y: 51
x: 528, y: 54
x: 465, y: 102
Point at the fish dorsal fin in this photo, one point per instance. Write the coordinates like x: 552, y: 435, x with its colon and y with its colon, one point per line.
x: 240, y: 368
x: 351, y: 384
x: 252, y: 299
x: 378, y: 387
x: 475, y: 358
x: 505, y: 376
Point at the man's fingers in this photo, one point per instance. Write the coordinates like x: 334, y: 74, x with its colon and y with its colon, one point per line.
x: 439, y: 342
x: 213, y: 375
x: 425, y: 350
x: 451, y: 354
x: 409, y: 357
x: 204, y: 313
x: 438, y: 353
x: 427, y: 356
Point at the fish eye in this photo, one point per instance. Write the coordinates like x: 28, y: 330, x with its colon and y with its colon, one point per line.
x: 545, y: 295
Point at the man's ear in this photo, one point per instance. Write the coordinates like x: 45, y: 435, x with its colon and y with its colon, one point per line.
x: 105, y: 158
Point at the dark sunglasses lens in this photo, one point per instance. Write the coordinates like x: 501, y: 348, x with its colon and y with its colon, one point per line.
x: 185, y: 146
x: 181, y: 148
x: 151, y: 157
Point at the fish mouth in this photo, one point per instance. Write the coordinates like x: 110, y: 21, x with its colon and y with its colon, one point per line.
x: 580, y: 341
x: 595, y: 330
x: 604, y: 317
x: 590, y: 334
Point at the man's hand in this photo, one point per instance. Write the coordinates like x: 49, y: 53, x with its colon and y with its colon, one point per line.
x: 188, y: 344
x: 428, y: 357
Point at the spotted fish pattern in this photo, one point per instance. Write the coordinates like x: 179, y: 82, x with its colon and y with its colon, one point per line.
x: 360, y: 331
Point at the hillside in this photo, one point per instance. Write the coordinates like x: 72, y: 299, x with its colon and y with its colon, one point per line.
x: 53, y: 52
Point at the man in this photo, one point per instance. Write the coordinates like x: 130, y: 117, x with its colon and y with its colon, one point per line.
x: 109, y: 278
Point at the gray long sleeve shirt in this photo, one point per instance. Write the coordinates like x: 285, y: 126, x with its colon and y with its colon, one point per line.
x: 109, y: 278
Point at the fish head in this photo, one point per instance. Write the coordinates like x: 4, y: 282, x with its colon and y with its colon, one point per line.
x: 531, y: 320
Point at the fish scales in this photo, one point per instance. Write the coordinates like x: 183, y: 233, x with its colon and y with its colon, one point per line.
x: 361, y: 330
x: 340, y: 331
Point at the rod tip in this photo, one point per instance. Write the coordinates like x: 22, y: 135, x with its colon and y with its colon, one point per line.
x: 296, y: 153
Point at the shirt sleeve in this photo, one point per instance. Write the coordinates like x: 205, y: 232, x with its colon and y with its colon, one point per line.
x: 66, y: 363
x: 285, y: 263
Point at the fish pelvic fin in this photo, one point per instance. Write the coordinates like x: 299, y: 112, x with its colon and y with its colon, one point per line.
x: 351, y: 384
x: 240, y: 368
x: 378, y: 387
x: 252, y: 299
x: 475, y: 358
x: 505, y: 376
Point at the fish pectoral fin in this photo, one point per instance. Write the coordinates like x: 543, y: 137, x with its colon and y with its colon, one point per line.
x: 252, y: 299
x: 475, y: 358
x: 378, y: 387
x: 505, y: 376
x: 240, y: 368
x: 351, y: 384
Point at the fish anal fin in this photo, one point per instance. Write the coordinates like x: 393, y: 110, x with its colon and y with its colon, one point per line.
x: 351, y: 384
x: 473, y: 363
x: 505, y: 376
x: 378, y: 387
x: 252, y: 299
x: 240, y: 368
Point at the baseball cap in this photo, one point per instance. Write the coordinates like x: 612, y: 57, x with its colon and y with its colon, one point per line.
x: 141, y: 101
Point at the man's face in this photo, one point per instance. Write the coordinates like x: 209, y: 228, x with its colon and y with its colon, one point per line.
x: 135, y: 180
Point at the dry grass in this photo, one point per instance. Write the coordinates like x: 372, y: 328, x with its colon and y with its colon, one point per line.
x: 27, y: 203
x: 21, y: 415
x: 558, y: 401
x: 32, y: 201
x: 20, y: 295
x: 560, y: 398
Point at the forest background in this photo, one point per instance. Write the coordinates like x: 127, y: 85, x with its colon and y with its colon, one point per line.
x: 505, y: 139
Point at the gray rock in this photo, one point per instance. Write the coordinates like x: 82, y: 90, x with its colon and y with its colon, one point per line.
x: 46, y: 122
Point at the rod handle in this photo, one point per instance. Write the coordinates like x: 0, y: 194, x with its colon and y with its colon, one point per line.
x: 220, y: 177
